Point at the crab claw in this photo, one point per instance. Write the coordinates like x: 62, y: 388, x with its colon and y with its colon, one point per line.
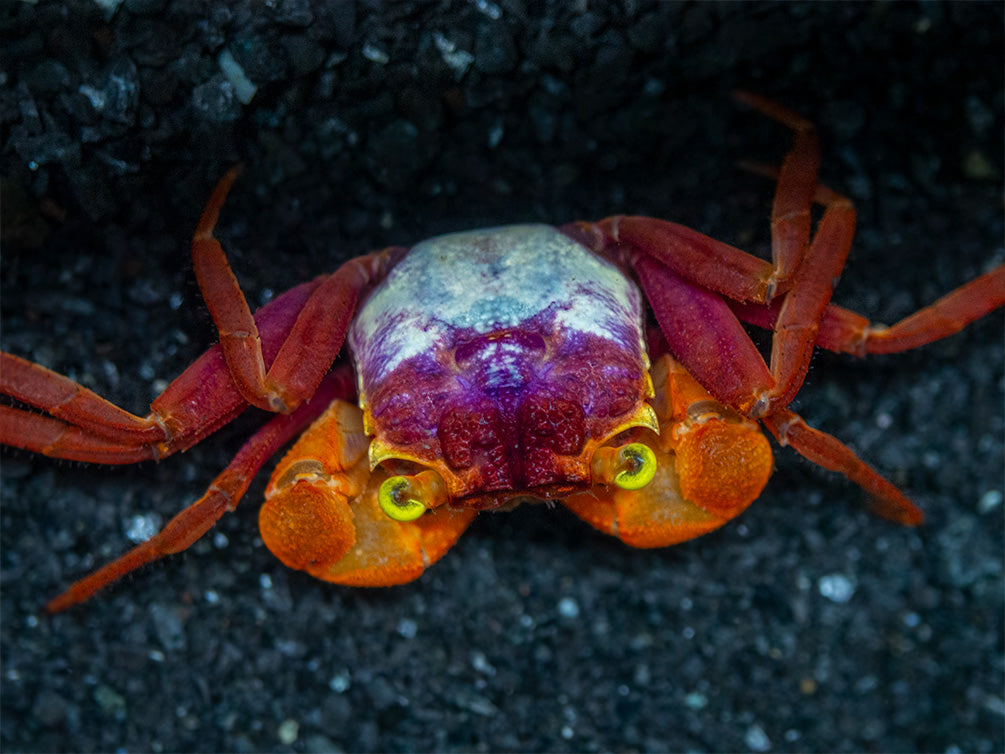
x: 723, y: 464
x: 707, y: 465
x: 306, y: 520
x: 325, y: 512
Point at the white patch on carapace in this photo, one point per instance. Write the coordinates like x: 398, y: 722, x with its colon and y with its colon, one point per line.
x: 500, y: 365
x: 489, y: 280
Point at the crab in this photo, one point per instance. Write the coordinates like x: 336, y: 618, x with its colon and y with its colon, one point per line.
x: 493, y: 367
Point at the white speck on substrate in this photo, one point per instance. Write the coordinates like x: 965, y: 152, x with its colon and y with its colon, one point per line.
x: 995, y: 705
x: 496, y: 133
x: 695, y: 700
x: 757, y: 739
x: 340, y: 682
x: 458, y: 60
x: 288, y: 731
x: 109, y: 7
x: 95, y: 96
x: 481, y: 663
x: 989, y: 501
x: 375, y: 54
x: 836, y: 587
x: 490, y: 9
x: 244, y: 89
x: 407, y: 628
x: 568, y: 608
x: 141, y: 527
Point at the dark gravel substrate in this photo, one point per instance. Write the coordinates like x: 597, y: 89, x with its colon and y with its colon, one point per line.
x: 808, y: 625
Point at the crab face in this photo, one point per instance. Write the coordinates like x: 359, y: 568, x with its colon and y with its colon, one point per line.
x: 501, y: 359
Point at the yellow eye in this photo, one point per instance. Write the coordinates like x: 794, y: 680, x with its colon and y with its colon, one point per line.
x: 630, y: 467
x: 637, y: 466
x: 398, y: 500
x: 405, y: 498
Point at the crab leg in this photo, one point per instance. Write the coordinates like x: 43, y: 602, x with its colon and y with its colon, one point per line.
x: 830, y: 453
x: 797, y: 184
x: 711, y: 264
x: 82, y: 426
x: 55, y: 438
x: 705, y: 336
x: 844, y: 331
x: 799, y: 318
x: 691, y: 317
x: 222, y: 495
x: 314, y: 341
x: 813, y: 266
x: 946, y: 316
x: 121, y: 436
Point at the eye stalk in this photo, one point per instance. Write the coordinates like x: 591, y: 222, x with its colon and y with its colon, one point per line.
x: 405, y: 498
x: 630, y: 467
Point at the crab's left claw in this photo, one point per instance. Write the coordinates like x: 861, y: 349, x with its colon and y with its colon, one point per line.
x: 709, y: 464
x: 323, y: 514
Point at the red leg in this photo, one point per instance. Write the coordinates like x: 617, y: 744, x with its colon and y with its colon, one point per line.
x: 52, y: 437
x: 82, y: 426
x: 316, y: 337
x: 804, y: 305
x: 844, y: 331
x: 809, y: 273
x: 221, y: 496
x: 112, y: 435
x: 948, y: 315
x: 813, y: 267
x: 796, y: 185
x: 705, y: 336
x: 828, y: 452
x: 805, y: 272
x: 711, y: 264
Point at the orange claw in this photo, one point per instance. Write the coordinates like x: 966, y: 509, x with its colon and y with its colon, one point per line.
x: 711, y: 464
x: 306, y: 521
x: 723, y: 459
x: 322, y: 516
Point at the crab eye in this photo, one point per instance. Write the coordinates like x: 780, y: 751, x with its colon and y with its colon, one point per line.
x: 638, y: 466
x: 405, y: 498
x: 630, y: 467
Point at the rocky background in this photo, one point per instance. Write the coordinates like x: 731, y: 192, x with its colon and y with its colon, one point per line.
x: 806, y: 625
